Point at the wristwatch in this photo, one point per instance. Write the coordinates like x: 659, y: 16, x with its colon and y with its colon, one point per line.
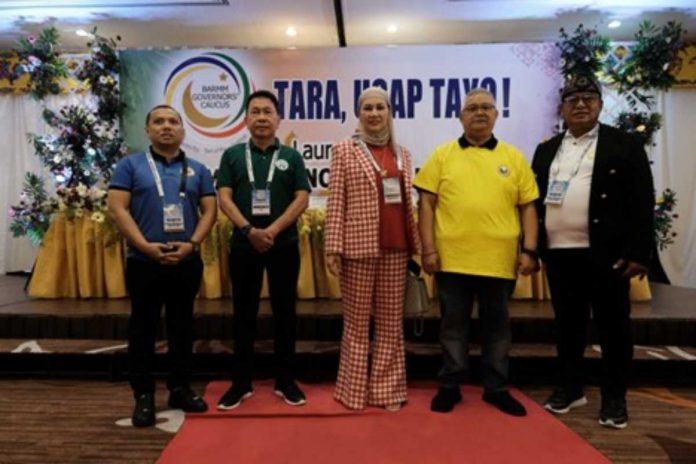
x: 530, y: 252
x: 246, y: 229
x: 196, y: 245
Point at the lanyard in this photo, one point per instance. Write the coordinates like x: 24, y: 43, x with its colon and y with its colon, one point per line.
x: 158, y: 179
x: 366, y: 150
x: 250, y: 167
x: 556, y: 165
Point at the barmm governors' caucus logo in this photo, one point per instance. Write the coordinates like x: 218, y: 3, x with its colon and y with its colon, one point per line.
x: 210, y: 91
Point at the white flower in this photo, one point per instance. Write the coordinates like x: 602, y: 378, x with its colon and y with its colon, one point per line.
x: 665, y: 67
x: 668, y: 39
x: 98, y: 216
x: 57, y: 159
x: 81, y: 189
x: 79, y: 212
x: 640, y: 128
x: 103, y: 80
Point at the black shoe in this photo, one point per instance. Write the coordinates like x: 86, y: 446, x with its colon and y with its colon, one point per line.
x: 290, y: 392
x: 505, y: 402
x: 234, y: 396
x: 614, y: 413
x: 186, y: 400
x: 144, y: 411
x: 561, y: 400
x: 445, y: 399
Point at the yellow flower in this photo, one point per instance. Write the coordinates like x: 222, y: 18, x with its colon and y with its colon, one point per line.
x: 79, y: 212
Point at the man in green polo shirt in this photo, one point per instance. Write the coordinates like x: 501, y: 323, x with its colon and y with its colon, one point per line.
x: 478, y: 228
x: 263, y: 188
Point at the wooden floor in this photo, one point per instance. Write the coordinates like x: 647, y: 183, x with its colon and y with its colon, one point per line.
x: 74, y: 421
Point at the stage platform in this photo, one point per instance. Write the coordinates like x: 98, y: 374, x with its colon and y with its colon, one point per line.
x: 88, y: 335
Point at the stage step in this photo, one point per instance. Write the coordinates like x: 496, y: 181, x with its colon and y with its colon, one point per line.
x: 318, y: 360
x: 525, y: 329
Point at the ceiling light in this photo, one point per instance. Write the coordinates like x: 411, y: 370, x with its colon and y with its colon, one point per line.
x: 614, y: 24
x: 291, y: 31
x: 392, y: 28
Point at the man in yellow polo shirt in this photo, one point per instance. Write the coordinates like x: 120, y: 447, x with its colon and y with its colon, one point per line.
x: 479, y: 226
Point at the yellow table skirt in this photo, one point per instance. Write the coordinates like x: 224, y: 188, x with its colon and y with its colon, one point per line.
x: 76, y: 261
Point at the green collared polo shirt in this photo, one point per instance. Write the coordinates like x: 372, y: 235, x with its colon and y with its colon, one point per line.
x: 289, y: 177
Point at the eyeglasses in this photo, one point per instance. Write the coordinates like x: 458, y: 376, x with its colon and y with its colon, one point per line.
x: 476, y: 108
x: 587, y: 99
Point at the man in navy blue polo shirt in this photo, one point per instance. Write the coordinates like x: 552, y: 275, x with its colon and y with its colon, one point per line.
x: 263, y: 189
x: 154, y: 199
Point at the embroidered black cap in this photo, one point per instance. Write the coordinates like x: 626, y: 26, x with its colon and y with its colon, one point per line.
x: 581, y: 83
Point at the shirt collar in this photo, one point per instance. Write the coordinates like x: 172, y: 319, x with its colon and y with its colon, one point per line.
x: 274, y: 146
x: 490, y: 144
x: 157, y: 157
x: 591, y: 134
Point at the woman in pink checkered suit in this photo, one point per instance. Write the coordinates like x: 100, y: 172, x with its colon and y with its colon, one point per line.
x: 370, y: 235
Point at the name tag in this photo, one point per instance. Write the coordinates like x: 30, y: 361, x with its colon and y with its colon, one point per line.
x: 261, y: 202
x: 557, y: 192
x: 173, y: 217
x: 392, y: 190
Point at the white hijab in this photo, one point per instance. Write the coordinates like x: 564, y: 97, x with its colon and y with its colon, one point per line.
x: 385, y: 136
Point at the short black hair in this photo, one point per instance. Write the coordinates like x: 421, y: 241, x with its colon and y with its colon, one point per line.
x: 263, y: 94
x: 159, y: 107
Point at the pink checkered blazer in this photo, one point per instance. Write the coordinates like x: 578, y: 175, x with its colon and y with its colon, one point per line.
x: 352, y: 212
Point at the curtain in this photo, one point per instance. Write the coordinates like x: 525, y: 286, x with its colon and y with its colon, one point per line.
x: 19, y: 115
x: 674, y: 166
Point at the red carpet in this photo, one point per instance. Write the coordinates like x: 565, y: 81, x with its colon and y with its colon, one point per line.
x: 266, y: 430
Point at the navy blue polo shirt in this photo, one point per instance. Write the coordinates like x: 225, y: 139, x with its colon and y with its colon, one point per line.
x: 133, y: 174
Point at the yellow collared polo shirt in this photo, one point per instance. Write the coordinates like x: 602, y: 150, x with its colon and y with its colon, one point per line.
x: 477, y: 225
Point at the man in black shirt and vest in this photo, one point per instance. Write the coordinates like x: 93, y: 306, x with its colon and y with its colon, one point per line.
x: 596, y: 213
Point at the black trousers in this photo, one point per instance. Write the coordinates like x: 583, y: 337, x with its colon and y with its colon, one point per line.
x: 152, y: 285
x: 282, y: 264
x: 581, y: 285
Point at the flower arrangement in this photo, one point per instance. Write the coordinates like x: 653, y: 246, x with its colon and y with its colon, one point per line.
x: 649, y: 62
x: 39, y: 57
x: 32, y: 216
x: 81, y: 151
x: 640, y: 123
x: 664, y: 215
x: 582, y: 52
x: 101, y: 74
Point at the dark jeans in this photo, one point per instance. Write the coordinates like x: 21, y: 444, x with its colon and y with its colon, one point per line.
x: 152, y: 285
x: 457, y: 292
x: 578, y: 284
x: 246, y: 272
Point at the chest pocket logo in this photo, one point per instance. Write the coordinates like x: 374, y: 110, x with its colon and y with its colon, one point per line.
x: 282, y: 165
x: 190, y: 172
x: 503, y: 170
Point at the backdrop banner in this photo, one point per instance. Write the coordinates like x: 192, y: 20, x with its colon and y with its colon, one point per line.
x: 318, y: 90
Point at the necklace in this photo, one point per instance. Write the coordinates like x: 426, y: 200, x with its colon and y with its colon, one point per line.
x: 380, y: 154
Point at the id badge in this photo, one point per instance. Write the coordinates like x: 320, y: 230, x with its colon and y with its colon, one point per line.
x: 261, y: 202
x: 392, y: 190
x: 173, y: 217
x: 557, y: 192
